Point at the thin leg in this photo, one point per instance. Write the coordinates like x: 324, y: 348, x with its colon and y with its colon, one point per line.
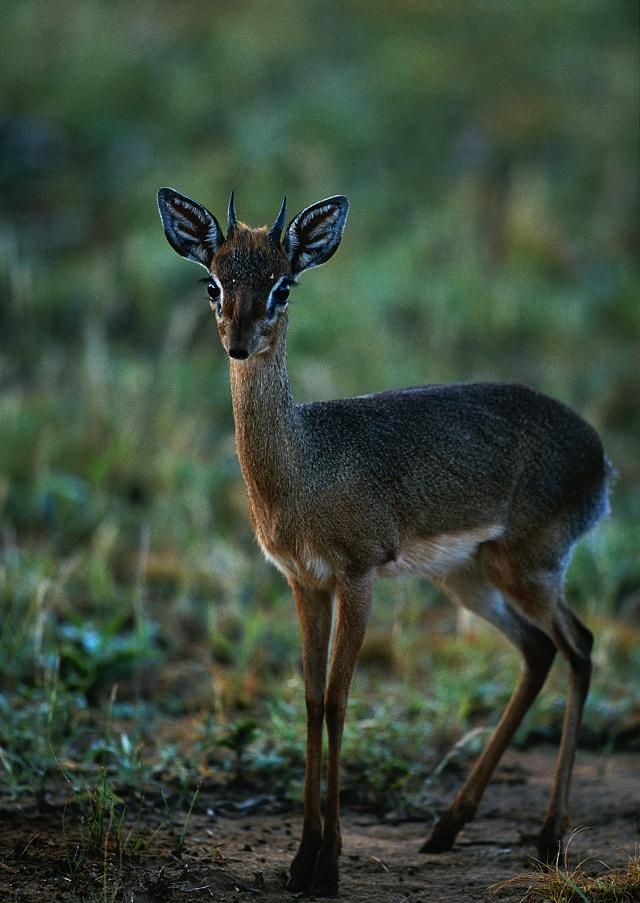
x: 538, y: 652
x: 574, y: 642
x: 538, y: 594
x: 314, y: 610
x: 353, y: 604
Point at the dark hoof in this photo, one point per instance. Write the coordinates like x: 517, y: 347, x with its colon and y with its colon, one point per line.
x: 549, y: 847
x: 437, y: 845
x: 325, y: 878
x: 299, y: 884
x: 441, y: 839
x: 302, y: 871
x: 324, y: 887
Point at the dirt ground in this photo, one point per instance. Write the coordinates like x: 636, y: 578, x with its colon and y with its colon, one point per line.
x: 231, y: 856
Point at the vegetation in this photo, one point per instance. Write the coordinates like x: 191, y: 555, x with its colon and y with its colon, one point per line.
x: 563, y: 884
x: 489, y: 152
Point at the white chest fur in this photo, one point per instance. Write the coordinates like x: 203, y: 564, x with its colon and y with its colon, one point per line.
x: 309, y: 569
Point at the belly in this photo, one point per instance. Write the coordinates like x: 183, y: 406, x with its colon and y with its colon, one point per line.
x: 437, y: 556
x: 434, y: 557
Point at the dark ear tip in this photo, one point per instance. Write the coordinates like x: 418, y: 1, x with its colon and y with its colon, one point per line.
x: 342, y: 203
x: 165, y: 196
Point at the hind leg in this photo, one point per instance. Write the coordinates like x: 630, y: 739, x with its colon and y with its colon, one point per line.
x: 538, y: 594
x: 574, y: 642
x: 470, y: 588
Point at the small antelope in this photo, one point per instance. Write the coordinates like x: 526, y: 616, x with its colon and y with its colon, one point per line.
x: 481, y: 487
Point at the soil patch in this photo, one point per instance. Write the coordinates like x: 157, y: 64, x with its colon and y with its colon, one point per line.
x: 233, y: 858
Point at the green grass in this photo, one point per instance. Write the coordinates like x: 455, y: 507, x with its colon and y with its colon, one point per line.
x: 78, y: 619
x: 127, y: 561
x: 491, y: 163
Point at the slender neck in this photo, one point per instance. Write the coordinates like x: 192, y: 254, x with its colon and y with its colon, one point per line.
x: 265, y: 421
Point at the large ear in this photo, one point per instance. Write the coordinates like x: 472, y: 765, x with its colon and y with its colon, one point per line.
x: 313, y: 236
x: 190, y: 229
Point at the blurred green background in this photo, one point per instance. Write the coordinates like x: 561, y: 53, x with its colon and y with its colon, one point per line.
x: 489, y: 151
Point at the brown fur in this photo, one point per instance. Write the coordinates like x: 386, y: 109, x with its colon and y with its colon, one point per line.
x: 482, y: 487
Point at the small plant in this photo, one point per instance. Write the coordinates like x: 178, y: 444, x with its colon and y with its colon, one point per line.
x: 92, y: 658
x: 97, y: 818
x: 555, y: 883
x: 238, y: 739
x: 102, y: 828
x: 179, y: 837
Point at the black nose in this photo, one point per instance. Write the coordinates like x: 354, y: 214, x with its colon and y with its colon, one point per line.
x: 239, y: 353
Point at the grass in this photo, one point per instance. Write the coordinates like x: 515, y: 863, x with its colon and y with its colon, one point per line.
x: 144, y: 640
x: 131, y: 589
x: 146, y: 648
x: 563, y: 884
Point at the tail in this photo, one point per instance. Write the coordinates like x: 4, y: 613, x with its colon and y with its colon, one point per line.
x: 600, y: 506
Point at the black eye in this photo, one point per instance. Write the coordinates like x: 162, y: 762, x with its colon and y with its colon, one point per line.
x: 280, y: 293
x: 215, y: 299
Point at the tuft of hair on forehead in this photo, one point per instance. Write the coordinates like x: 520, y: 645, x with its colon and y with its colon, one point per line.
x: 249, y: 255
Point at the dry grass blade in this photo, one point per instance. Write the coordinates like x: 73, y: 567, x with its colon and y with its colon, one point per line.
x: 556, y: 884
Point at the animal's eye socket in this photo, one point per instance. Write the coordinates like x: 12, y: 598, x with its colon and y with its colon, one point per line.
x: 281, y: 293
x: 213, y: 291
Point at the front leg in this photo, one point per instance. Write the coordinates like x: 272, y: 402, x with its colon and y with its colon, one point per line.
x: 314, y: 610
x: 353, y: 599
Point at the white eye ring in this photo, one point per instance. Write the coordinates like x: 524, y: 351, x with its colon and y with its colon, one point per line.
x: 215, y: 302
x: 274, y: 303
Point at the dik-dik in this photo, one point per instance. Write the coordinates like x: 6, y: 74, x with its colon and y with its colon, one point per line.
x: 482, y: 487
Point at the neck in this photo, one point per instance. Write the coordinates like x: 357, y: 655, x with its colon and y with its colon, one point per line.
x: 265, y: 423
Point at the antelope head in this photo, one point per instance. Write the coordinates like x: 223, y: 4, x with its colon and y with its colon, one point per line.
x: 251, y: 271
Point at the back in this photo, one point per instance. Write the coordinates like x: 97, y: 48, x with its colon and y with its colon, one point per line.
x: 453, y: 456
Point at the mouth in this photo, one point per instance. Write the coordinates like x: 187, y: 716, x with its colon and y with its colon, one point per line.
x: 245, y: 354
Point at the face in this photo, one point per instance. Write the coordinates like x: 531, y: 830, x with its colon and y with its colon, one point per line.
x: 248, y: 290
x: 251, y: 270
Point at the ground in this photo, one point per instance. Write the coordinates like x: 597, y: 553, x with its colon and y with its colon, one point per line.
x: 235, y: 851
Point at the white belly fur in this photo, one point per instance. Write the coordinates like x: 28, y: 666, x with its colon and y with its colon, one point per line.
x: 434, y: 557
x: 437, y: 556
